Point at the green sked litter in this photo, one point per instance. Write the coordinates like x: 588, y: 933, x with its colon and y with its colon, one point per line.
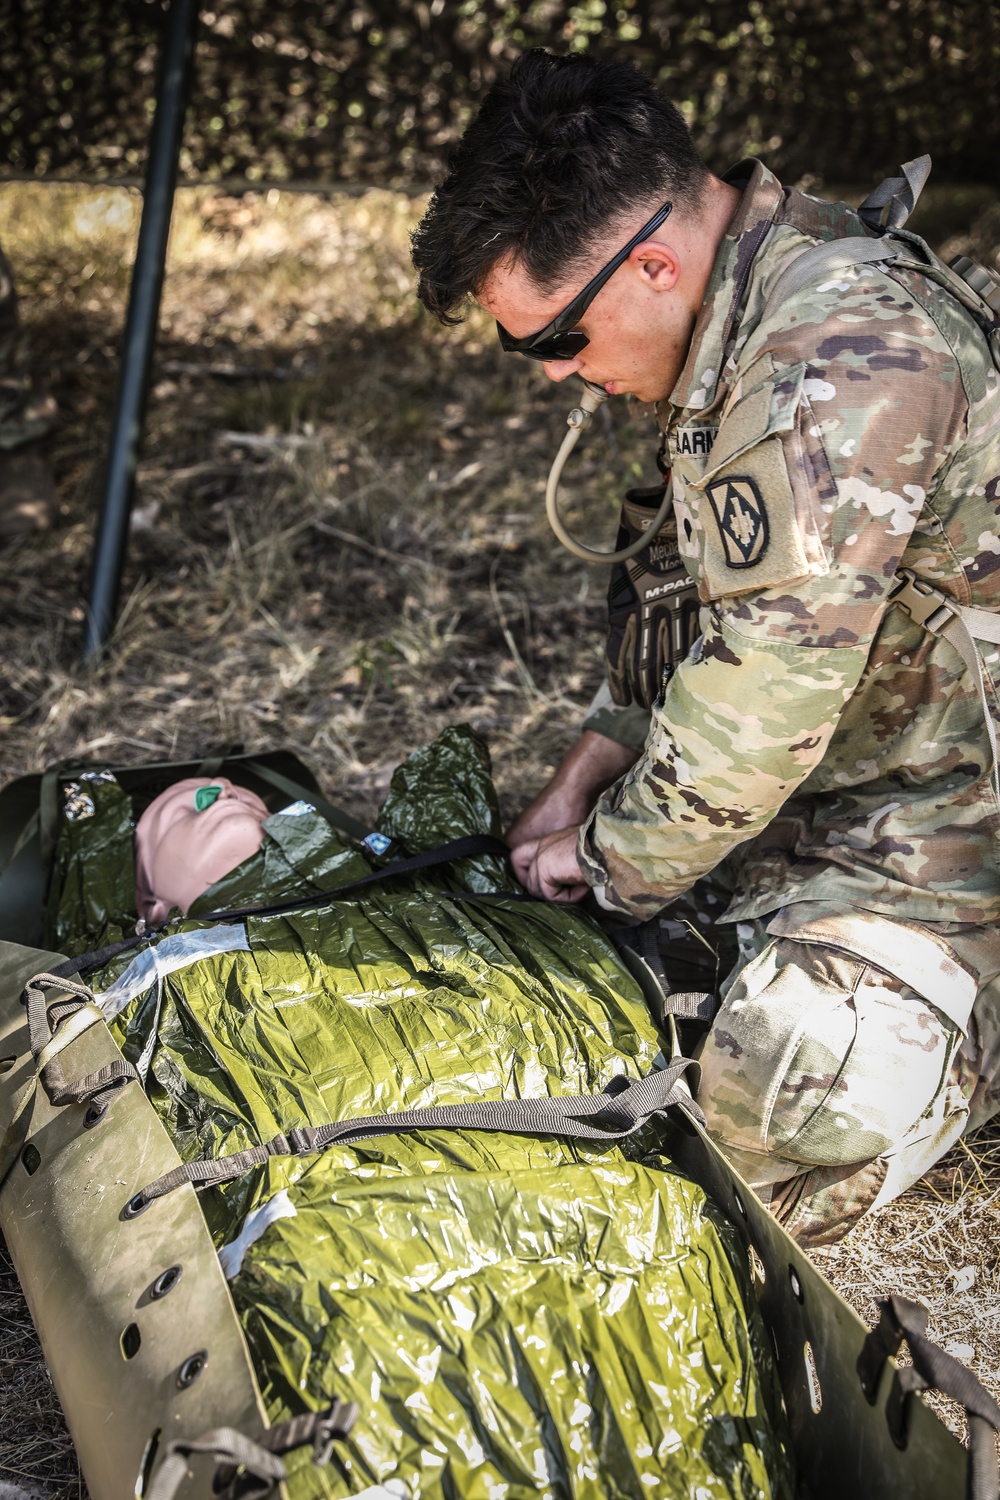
x: 514, y: 1316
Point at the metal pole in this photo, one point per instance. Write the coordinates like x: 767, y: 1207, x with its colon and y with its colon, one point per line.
x: 141, y: 324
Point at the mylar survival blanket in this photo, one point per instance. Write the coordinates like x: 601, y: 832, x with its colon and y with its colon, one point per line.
x: 512, y: 1315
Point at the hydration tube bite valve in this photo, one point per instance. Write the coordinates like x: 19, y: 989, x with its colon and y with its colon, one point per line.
x: 580, y: 418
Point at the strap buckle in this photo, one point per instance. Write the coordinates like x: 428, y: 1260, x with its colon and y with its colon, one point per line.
x: 926, y: 605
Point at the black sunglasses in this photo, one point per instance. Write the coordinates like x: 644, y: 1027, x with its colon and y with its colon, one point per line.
x: 561, y: 339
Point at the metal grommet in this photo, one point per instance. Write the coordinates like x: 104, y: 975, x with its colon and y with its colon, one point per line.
x: 135, y: 1206
x: 165, y: 1282
x: 191, y: 1369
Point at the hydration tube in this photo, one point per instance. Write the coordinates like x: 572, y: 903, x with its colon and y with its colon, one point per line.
x: 580, y: 418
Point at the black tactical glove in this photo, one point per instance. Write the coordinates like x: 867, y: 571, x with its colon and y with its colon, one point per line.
x: 652, y: 606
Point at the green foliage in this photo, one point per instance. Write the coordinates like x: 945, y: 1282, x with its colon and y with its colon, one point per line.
x: 377, y: 90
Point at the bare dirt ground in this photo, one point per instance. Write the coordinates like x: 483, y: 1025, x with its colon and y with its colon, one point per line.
x: 339, y: 546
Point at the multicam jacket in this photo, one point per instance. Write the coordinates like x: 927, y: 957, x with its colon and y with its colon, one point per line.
x: 833, y: 749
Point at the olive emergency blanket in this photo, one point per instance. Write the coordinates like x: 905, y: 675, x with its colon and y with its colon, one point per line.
x: 513, y: 1315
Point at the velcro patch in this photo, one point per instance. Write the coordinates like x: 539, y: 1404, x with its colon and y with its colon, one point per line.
x: 742, y: 519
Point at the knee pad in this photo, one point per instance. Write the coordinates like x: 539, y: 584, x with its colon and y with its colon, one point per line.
x: 820, y: 1059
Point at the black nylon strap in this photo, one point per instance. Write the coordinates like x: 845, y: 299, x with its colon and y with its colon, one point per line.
x: 619, y: 1111
x: 465, y: 848
x: 444, y: 854
x: 96, y: 958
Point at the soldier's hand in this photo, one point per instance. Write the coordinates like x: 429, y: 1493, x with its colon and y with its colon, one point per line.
x: 591, y: 766
x: 548, y: 867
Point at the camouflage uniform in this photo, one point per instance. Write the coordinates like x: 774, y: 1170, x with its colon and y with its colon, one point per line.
x: 25, y: 413
x: 818, y: 747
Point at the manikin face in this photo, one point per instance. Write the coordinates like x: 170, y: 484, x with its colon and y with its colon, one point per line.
x: 639, y: 324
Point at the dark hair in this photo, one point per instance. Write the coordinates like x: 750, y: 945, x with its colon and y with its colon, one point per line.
x: 559, y: 150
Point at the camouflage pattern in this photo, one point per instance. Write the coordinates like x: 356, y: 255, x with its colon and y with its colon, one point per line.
x: 831, y: 1084
x: 830, y: 747
x: 25, y: 412
x: 818, y: 751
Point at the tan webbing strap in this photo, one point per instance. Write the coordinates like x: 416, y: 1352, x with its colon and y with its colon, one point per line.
x: 74, y: 1015
x: 226, y: 1446
x: 824, y: 261
x: 962, y: 626
x: 883, y: 213
x: 257, y: 1458
x: 605, y: 1118
x: 889, y: 205
x: 68, y: 1032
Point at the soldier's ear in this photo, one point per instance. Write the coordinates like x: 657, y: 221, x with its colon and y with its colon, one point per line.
x: 657, y: 263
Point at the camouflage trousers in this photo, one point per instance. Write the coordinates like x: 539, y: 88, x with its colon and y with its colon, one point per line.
x: 833, y: 1083
x: 26, y: 413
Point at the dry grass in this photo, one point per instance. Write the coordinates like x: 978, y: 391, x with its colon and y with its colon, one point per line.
x: 338, y: 546
x: 35, y: 1449
x: 939, y: 1243
x: 338, y: 538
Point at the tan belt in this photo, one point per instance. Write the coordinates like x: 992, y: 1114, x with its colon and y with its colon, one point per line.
x: 910, y: 953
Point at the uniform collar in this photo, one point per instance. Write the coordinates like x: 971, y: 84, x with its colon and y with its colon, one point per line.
x: 763, y: 194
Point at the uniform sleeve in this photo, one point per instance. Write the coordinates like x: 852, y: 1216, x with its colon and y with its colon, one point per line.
x: 822, y: 469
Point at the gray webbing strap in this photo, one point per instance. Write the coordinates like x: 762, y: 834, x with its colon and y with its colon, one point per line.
x: 962, y: 626
x: 691, y: 1005
x: 974, y: 287
x: 826, y: 260
x: 913, y: 255
x: 262, y: 1468
x: 887, y: 207
x: 963, y: 636
x: 227, y: 1446
x: 890, y: 204
x: 623, y: 1108
x: 71, y: 1017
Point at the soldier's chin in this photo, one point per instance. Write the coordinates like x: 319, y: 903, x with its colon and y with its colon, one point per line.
x: 644, y: 397
x: 645, y: 394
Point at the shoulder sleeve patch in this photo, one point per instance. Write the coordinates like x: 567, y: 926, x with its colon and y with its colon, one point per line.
x: 741, y: 516
x: 755, y: 505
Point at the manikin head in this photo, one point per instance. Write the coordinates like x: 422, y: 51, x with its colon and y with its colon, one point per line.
x: 567, y: 160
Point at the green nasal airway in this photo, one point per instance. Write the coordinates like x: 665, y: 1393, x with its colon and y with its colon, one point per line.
x: 204, y: 797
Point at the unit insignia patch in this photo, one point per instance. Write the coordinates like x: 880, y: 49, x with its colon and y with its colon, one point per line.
x: 742, y: 516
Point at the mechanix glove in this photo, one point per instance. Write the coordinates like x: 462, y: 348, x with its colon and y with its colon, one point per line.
x: 652, y: 606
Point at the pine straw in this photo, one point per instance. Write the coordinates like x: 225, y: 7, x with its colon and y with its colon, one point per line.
x: 338, y: 546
